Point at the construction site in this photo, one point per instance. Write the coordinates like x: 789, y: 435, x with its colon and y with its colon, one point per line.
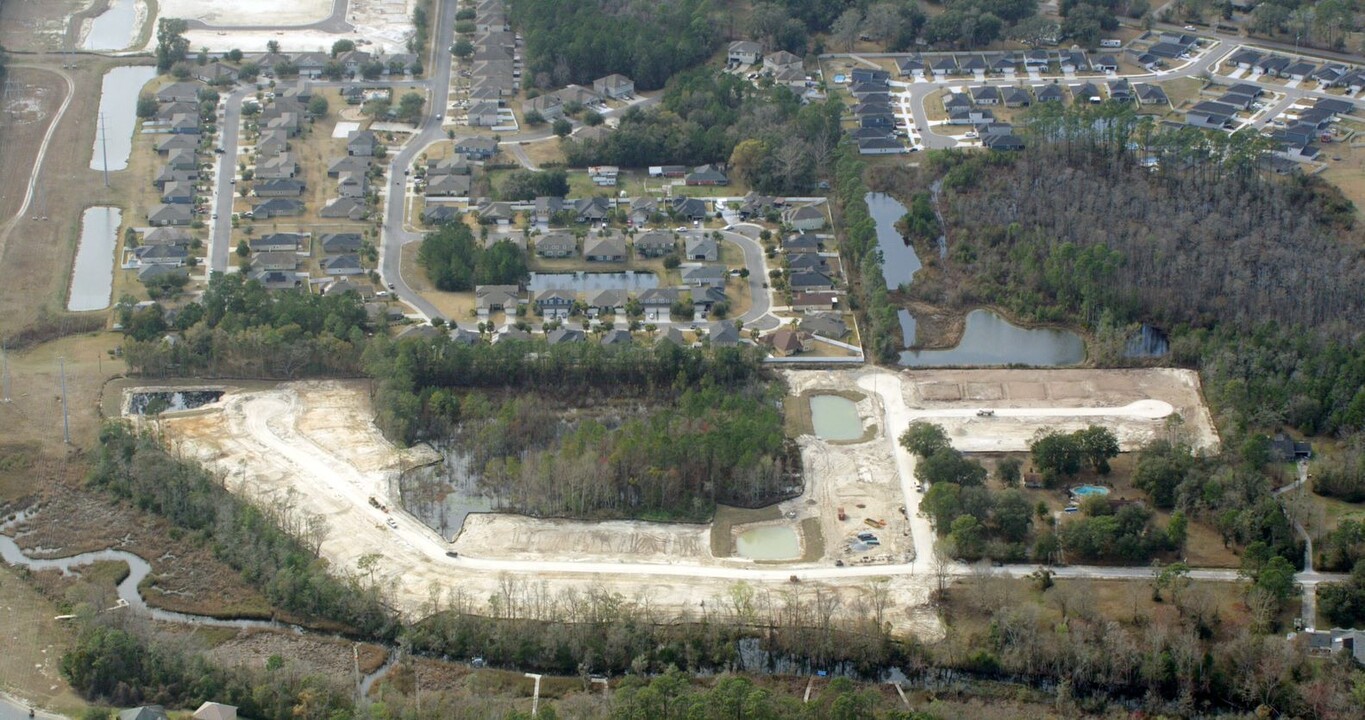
x: 314, y: 444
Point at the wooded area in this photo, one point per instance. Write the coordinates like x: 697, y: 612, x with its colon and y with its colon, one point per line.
x: 455, y: 261
x: 1257, y: 277
x: 578, y: 41
x: 770, y: 139
x: 881, y: 333
x: 274, y: 547
x: 587, y: 431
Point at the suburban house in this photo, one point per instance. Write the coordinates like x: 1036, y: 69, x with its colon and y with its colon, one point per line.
x: 825, y: 325
x: 704, y: 275
x: 555, y: 303
x: 1120, y: 91
x: 448, y: 186
x: 909, y: 66
x: 556, y: 245
x: 616, y: 337
x: 723, y: 334
x: 657, y: 301
x: 497, y: 213
x: 456, y: 164
x: 279, y: 166
x: 606, y: 302
x: 167, y: 236
x: 1287, y: 449
x: 337, y: 243
x: 591, y: 210
x: 944, y: 66
x: 497, y: 298
x: 614, y: 87
x: 276, y: 242
x: 1148, y: 94
x: 348, y: 164
x: 166, y: 255
x: 274, y: 261
x: 669, y: 171
x: 177, y: 142
x: 342, y: 265
x: 178, y: 92
x: 343, y: 285
x: 781, y: 60
x: 808, y: 281
x: 707, y: 175
x: 348, y: 207
x: 654, y: 244
x: 1051, y: 93
x: 215, y: 711
x: 1014, y: 97
x: 745, y: 52
x: 461, y: 336
x: 806, y: 261
x: 1105, y: 64
x: 1209, y: 114
x: 690, y: 208
x: 643, y: 209
x: 477, y: 148
x: 672, y: 336
x: 564, y: 336
x: 818, y: 300
x: 484, y: 114
x: 802, y: 243
x: 550, y: 106
x: 277, y: 207
x: 547, y: 208
x: 178, y: 193
x: 440, y: 214
x: 985, y: 95
x: 702, y: 249
x: 177, y: 214
x: 611, y: 248
x: 785, y: 342
x: 1087, y: 92
x: 145, y: 712
x: 804, y: 217
x: 362, y: 144
x: 281, y: 187
x: 603, y: 175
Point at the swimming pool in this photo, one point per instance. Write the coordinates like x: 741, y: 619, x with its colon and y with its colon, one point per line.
x: 840, y: 79
x: 1081, y: 491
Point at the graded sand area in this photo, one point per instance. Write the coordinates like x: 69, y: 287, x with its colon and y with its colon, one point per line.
x: 315, y: 444
x: 1138, y: 405
x: 240, y: 13
x: 315, y: 441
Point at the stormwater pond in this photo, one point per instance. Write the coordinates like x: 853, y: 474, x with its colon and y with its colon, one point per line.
x: 92, y: 279
x: 118, y: 115
x: 114, y: 29
x: 991, y: 340
x: 835, y: 418
x: 771, y: 542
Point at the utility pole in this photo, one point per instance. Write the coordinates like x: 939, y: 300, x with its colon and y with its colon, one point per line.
x: 104, y: 149
x: 4, y: 372
x: 66, y: 419
x: 355, y: 660
x: 535, y: 697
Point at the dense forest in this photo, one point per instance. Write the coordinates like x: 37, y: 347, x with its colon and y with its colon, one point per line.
x: 673, y: 461
x: 770, y: 140
x: 578, y: 41
x: 588, y: 431
x: 1257, y: 277
x: 455, y: 261
x: 239, y: 329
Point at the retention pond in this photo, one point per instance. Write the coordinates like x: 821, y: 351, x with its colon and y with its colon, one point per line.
x: 772, y: 542
x: 118, y: 115
x: 114, y: 29
x: 835, y: 418
x: 991, y: 340
x: 92, y: 279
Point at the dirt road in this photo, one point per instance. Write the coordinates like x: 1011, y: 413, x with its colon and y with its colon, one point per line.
x: 314, y: 445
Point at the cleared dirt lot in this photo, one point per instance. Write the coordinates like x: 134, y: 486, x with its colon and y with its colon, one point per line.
x: 1025, y: 402
x: 316, y: 442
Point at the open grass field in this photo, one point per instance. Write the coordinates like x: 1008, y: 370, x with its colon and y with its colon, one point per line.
x: 35, y: 268
x: 26, y: 111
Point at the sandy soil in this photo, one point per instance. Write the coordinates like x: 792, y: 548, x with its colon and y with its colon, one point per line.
x: 385, y: 23
x: 317, y: 440
x: 248, y: 12
x: 1135, y: 404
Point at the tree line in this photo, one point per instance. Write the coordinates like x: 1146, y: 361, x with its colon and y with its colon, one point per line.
x: 455, y: 261
x: 273, y: 546
x: 770, y: 139
x: 880, y: 326
x: 239, y: 329
x: 578, y: 41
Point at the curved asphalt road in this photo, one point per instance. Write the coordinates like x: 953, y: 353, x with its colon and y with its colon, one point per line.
x: 393, y: 236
